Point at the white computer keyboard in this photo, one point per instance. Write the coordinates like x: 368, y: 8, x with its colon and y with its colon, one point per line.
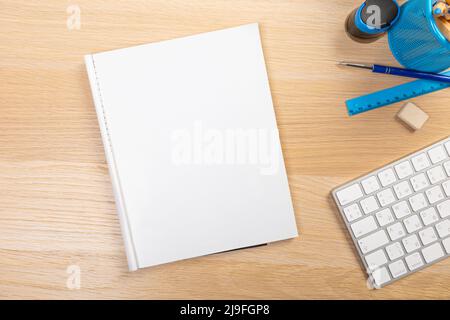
x: 399, y: 215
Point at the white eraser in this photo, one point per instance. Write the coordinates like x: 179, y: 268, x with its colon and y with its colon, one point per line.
x: 413, y: 116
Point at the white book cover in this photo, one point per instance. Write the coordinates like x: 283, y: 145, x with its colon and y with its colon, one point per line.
x: 192, y: 145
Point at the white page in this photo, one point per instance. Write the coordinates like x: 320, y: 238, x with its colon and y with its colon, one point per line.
x: 168, y: 107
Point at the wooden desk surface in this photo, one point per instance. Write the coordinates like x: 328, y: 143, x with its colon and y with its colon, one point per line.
x: 56, y: 201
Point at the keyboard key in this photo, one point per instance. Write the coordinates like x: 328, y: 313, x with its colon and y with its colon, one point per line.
x: 398, y: 269
x: 434, y: 194
x: 403, y: 190
x: 447, y: 167
x: 437, y: 154
x: 386, y: 197
x: 404, y: 170
x: 428, y: 236
x: 396, y: 231
x: 381, y: 276
x: 420, y: 162
x: 444, y: 209
x: 370, y: 185
x: 446, y: 186
x: 443, y: 228
x: 411, y: 243
x: 364, y: 226
x: 395, y: 251
x: 412, y: 224
x: 384, y: 217
x: 429, y: 216
x: 418, y: 202
x: 352, y: 212
x: 436, y: 175
x: 447, y: 146
x: 373, y: 241
x: 387, y: 177
x: 349, y: 194
x: 401, y: 209
x: 419, y: 182
x: 376, y: 260
x: 414, y: 261
x: 446, y: 244
x: 433, y: 253
x: 369, y: 205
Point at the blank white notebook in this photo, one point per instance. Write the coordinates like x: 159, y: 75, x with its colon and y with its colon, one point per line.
x: 192, y: 146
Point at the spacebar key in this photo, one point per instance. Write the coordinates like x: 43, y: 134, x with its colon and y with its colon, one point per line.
x: 374, y: 241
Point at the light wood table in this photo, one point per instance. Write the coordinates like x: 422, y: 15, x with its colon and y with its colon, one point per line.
x: 56, y: 202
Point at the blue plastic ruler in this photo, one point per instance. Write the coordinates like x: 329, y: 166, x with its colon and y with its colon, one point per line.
x: 393, y: 95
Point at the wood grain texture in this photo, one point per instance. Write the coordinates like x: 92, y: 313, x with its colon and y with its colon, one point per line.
x: 56, y: 202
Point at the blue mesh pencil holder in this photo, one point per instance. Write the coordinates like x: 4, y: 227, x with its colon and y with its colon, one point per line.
x: 416, y: 41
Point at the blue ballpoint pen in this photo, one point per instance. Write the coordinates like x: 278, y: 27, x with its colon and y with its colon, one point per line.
x: 400, y: 72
